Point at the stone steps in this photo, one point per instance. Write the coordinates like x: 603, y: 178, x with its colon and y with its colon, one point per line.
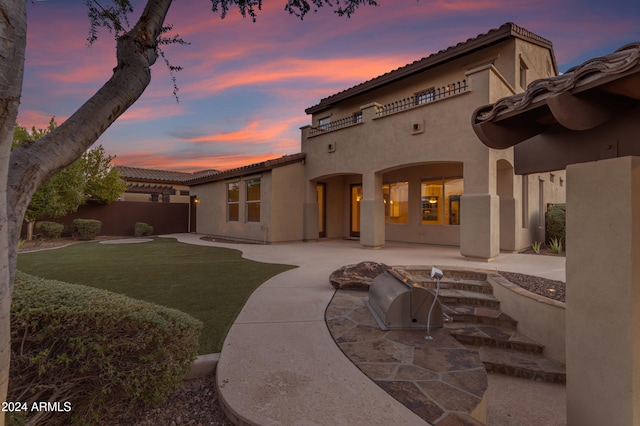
x: 522, y: 364
x: 494, y: 337
x: 479, y: 315
x: 476, y: 321
x: 453, y: 283
x: 452, y: 297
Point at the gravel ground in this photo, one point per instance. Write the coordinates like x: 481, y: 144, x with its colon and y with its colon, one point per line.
x: 548, y: 288
x: 195, y: 403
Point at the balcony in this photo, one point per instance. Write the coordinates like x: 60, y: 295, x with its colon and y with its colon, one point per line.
x: 415, y: 101
x: 422, y: 98
x: 336, y: 124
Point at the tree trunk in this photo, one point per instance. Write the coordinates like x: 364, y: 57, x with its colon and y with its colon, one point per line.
x: 13, y: 32
x: 25, y: 168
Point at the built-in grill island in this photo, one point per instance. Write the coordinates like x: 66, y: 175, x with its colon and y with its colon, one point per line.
x: 398, y: 302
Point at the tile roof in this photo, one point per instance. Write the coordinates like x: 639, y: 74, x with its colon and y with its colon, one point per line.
x: 616, y: 74
x: 160, y: 176
x: 619, y: 62
x: 249, y: 169
x: 504, y: 32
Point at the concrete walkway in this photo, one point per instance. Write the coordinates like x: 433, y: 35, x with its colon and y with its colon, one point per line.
x: 279, y: 364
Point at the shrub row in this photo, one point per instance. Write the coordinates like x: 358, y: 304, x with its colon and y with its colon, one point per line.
x: 85, y: 229
x: 103, y: 352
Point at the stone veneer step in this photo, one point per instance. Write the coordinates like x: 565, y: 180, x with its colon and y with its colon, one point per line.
x: 464, y: 297
x: 522, y: 364
x: 479, y: 315
x: 496, y: 337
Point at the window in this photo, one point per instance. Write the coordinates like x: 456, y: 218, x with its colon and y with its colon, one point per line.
x: 357, y: 117
x: 540, y: 203
x: 233, y: 202
x: 425, y: 96
x: 253, y: 200
x: 323, y: 124
x: 396, y: 202
x: 441, y: 201
x: 523, y: 74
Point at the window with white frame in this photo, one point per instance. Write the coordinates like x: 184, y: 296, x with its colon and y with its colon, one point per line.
x: 253, y: 200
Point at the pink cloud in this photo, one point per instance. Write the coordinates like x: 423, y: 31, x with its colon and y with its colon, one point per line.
x: 146, y: 111
x: 154, y: 160
x: 254, y: 131
x: 347, y: 70
x: 37, y: 119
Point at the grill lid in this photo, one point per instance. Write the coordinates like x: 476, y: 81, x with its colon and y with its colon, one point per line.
x: 398, y: 302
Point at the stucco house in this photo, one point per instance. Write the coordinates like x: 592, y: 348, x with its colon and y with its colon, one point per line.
x: 259, y: 202
x: 395, y: 158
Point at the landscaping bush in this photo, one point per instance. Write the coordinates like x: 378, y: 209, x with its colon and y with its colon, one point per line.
x: 142, y: 229
x: 86, y: 229
x: 555, y: 223
x: 50, y: 229
x: 100, y: 352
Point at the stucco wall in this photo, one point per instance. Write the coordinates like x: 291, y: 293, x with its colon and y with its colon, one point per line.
x: 603, y: 292
x: 538, y: 317
x: 287, y: 194
x: 281, y: 202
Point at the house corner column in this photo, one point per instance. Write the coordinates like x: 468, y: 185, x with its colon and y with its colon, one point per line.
x: 310, y: 213
x: 603, y: 292
x: 480, y: 226
x: 372, y: 211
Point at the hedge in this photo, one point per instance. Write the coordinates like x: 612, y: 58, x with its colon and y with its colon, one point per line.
x: 142, y: 229
x: 86, y: 229
x: 101, y: 352
x: 50, y: 229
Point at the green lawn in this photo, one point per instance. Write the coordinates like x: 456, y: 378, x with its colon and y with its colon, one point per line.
x: 209, y: 283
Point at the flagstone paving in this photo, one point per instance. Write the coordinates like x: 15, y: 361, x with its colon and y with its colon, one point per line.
x: 440, y: 380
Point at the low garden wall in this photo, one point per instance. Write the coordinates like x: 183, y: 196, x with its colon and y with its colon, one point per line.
x: 540, y: 318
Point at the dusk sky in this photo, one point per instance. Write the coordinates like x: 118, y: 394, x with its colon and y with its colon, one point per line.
x: 245, y: 85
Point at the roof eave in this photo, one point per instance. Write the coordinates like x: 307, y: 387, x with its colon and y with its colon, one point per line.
x: 249, y: 169
x: 505, y: 32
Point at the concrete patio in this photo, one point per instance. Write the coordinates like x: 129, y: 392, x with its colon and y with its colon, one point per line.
x: 280, y: 366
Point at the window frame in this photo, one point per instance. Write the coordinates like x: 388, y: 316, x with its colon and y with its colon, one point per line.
x: 324, y: 123
x: 425, y: 96
x: 251, y: 203
x: 402, y: 205
x: 443, y: 199
x: 233, y: 203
